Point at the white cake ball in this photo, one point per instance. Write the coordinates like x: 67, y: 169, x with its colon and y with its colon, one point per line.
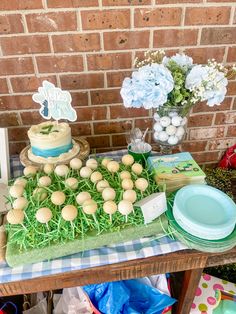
x: 69, y: 212
x: 16, y: 190
x: 58, y: 198
x: 125, y: 207
x: 72, y: 183
x: 163, y: 136
x: 176, y: 121
x: 15, y: 216
x: 92, y: 163
x: 156, y: 116
x: 43, y: 215
x: 137, y: 168
x: 157, y: 127
x: 105, y: 161
x: 101, y: 185
x: 82, y: 197
x: 125, y: 175
x: 156, y: 136
x: 61, y: 170
x: 20, y: 203
x: 75, y: 163
x: 127, y: 184
x: 141, y: 184
x: 184, y: 121
x: 127, y: 160
x: 108, y: 194
x: 20, y: 181
x: 30, y: 171
x: 90, y: 207
x: 113, y: 166
x: 173, y: 140
x: 172, y: 114
x: 40, y: 194
x: 96, y: 176
x: 171, y: 130
x: 180, y: 132
x: 110, y: 207
x: 48, y: 168
x: 85, y: 172
x: 130, y: 195
x: 45, y: 181
x: 165, y: 121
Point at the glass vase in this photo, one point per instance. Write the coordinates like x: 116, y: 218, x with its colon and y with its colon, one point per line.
x: 169, y: 127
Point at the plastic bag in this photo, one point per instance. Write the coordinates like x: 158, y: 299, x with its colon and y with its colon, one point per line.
x: 127, y: 297
x: 41, y: 307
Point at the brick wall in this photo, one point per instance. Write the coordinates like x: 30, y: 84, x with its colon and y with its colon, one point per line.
x: 88, y: 47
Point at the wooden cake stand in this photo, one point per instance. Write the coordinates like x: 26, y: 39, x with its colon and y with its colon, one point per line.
x: 82, y: 154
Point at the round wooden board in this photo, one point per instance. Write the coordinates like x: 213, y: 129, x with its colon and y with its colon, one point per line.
x: 82, y: 154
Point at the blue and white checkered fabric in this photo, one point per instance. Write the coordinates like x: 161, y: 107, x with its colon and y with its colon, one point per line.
x: 145, y: 247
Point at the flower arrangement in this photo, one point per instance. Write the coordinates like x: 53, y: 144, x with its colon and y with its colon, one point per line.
x: 175, y: 81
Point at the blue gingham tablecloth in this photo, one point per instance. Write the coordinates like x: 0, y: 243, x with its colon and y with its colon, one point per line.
x: 142, y: 248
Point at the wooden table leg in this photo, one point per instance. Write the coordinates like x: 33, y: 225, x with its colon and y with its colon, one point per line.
x: 190, y: 283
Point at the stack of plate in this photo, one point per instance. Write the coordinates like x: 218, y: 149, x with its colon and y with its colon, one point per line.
x: 204, y: 218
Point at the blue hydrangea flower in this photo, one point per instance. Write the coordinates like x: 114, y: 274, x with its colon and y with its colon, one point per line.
x: 148, y: 87
x: 181, y: 59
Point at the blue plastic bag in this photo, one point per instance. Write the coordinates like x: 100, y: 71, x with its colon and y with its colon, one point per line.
x: 127, y: 297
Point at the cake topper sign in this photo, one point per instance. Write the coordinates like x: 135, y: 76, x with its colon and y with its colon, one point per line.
x: 55, y: 103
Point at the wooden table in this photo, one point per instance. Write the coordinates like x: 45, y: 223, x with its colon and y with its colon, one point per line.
x: 190, y: 261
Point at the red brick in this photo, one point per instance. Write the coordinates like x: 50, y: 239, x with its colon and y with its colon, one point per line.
x: 57, y: 64
x: 218, y: 35
x: 98, y: 141
x: 125, y: 2
x: 126, y: 40
x: 10, y: 24
x: 71, y: 3
x: 157, y: 16
x: 115, y: 79
x: 24, y: 44
x: 20, y: 5
x: 17, y: 102
x: 13, y: 66
x: 206, y: 157
x: 175, y: 37
x: 8, y: 119
x: 82, y: 81
x: 76, y: 42
x: 79, y: 99
x: 51, y: 22
x: 112, y: 127
x: 176, y: 1
x: 220, y: 1
x: 119, y: 140
x: 105, y: 19
x: 207, y: 15
x: 221, y: 144
x: 18, y: 134
x: 80, y: 129
x: 234, y: 104
x: 201, y: 55
x: 3, y: 86
x: 225, y: 117
x: 231, y: 54
x: 194, y: 146
x: 204, y: 133
x: 203, y: 107
x: 31, y: 117
x: 91, y: 113
x: 109, y: 61
x: 141, y: 54
x: 107, y: 96
x: 232, y: 131
x: 200, y: 120
x: 231, y: 88
x: 16, y: 147
x: 120, y: 112
x: 144, y: 123
x: 29, y: 83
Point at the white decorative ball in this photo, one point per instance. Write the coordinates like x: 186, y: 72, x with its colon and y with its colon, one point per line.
x: 96, y: 176
x: 20, y: 181
x: 130, y: 195
x: 125, y: 175
x: 172, y: 114
x: 137, y: 168
x: 48, y: 168
x: 180, y: 132
x: 165, y: 121
x: 20, y: 203
x: 163, y: 136
x: 58, y: 198
x: 90, y: 207
x: 110, y: 207
x: 85, y: 172
x: 176, y: 121
x: 45, y: 181
x: 156, y: 116
x: 69, y: 212
x: 171, y: 130
x: 141, y: 184
x: 92, y: 163
x: 113, y: 166
x: 125, y: 207
x: 75, y: 163
x: 82, y: 197
x: 156, y: 136
x: 108, y: 194
x: 16, y: 190
x: 184, y: 121
x: 173, y: 140
x: 127, y: 160
x: 101, y: 185
x: 157, y: 127
x: 15, y: 216
x: 43, y: 215
x: 72, y: 183
x: 61, y: 170
x: 127, y: 184
x: 30, y: 171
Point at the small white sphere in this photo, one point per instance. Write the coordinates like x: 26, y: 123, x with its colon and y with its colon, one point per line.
x: 20, y: 181
x: 92, y: 163
x: 127, y: 184
x: 171, y: 130
x: 108, y: 194
x: 184, y: 121
x: 48, y: 168
x: 176, y: 121
x: 20, y: 203
x: 180, y: 132
x: 141, y: 184
x: 130, y: 195
x: 15, y: 216
x: 16, y: 190
x: 61, y: 170
x: 40, y: 194
x: 101, y: 185
x: 82, y: 197
x: 69, y: 212
x: 125, y: 207
x: 43, y: 215
x: 165, y: 121
x: 45, y: 181
x: 113, y: 166
x: 30, y: 171
x: 58, y: 198
x: 125, y: 175
x: 163, y: 136
x: 90, y: 207
x: 96, y: 176
x: 85, y: 172
x: 173, y: 140
x: 137, y: 168
x: 156, y: 116
x: 110, y: 207
x: 75, y: 163
x: 172, y: 114
x: 72, y: 183
x: 156, y: 136
x: 157, y: 127
x: 127, y: 160
x: 105, y: 161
